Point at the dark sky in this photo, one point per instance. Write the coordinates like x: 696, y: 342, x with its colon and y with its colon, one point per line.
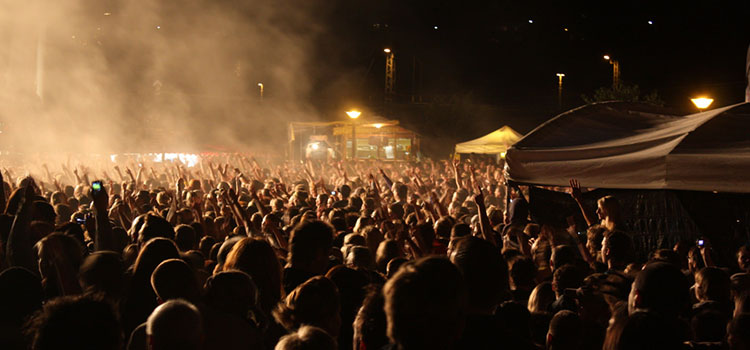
x: 488, y: 52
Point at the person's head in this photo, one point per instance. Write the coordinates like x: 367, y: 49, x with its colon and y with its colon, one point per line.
x: 443, y: 227
x: 155, y: 226
x: 74, y: 230
x: 650, y: 330
x: 309, y: 245
x: 58, y: 252
x: 362, y: 222
x: 616, y: 324
x: 523, y: 273
x: 565, y: 331
x: 459, y: 230
x: 152, y: 254
x: 738, y: 337
x: 541, y: 297
x: 373, y: 236
x: 709, y: 326
x: 351, y: 285
x: 594, y: 237
x: 355, y: 239
x: 608, y: 208
x: 425, y: 304
x: 307, y: 338
x: 20, y: 295
x: 232, y: 292
x: 485, y: 273
x: 257, y: 258
x: 345, y: 191
x: 205, y: 245
x: 712, y: 283
x: 370, y: 323
x: 76, y: 322
x: 743, y: 258
x: 660, y: 287
x: 667, y: 256
x: 102, y: 272
x: 315, y: 302
x: 387, y: 250
x: 396, y: 211
x: 617, y: 250
x: 399, y: 191
x: 360, y: 257
x: 223, y: 250
x: 185, y: 238
x: 62, y: 213
x: 176, y: 324
x: 44, y: 211
x: 563, y: 255
x: 566, y: 277
x: 173, y: 279
x: 424, y: 237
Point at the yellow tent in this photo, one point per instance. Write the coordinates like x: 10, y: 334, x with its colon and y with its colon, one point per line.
x: 496, y: 142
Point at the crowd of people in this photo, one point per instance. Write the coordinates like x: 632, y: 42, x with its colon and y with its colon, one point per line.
x: 233, y: 253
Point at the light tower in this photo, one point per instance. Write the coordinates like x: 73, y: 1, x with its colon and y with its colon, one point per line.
x: 390, y: 74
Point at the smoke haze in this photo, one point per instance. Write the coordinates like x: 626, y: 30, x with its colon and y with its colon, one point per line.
x: 153, y: 76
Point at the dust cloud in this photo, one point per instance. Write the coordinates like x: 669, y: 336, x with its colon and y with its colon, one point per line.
x: 117, y: 76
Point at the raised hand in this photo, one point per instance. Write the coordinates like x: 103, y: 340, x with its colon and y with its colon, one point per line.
x: 575, y: 190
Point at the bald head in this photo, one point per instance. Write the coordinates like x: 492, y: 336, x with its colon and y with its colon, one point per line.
x: 175, y: 324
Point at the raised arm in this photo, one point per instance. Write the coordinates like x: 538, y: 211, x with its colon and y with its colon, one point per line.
x: 575, y: 192
x: 103, y: 236
x: 457, y: 173
x: 484, y: 220
x: 385, y: 177
x: 18, y: 251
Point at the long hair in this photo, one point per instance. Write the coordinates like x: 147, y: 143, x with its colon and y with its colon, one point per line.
x: 257, y: 258
x: 612, y: 206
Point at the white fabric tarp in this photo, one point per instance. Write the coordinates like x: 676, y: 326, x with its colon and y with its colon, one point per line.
x: 495, y: 142
x: 619, y: 145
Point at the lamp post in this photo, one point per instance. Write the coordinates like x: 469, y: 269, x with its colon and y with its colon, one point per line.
x: 615, y: 70
x: 702, y: 102
x: 559, y: 90
x: 390, y: 74
x: 354, y: 114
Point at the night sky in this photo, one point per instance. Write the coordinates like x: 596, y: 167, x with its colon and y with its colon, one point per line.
x: 504, y: 55
x: 463, y: 68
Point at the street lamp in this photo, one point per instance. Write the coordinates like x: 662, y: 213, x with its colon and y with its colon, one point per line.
x: 390, y: 74
x: 702, y: 102
x: 354, y: 114
x: 559, y: 89
x: 615, y: 70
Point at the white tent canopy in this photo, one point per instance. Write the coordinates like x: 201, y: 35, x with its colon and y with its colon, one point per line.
x: 618, y: 145
x: 495, y: 142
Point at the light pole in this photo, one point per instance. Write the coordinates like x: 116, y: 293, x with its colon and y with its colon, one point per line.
x: 615, y: 70
x: 390, y: 74
x: 260, y: 85
x: 354, y: 114
x: 702, y: 102
x: 559, y: 90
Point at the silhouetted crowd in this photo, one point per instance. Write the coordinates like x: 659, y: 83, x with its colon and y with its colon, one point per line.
x: 233, y: 253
